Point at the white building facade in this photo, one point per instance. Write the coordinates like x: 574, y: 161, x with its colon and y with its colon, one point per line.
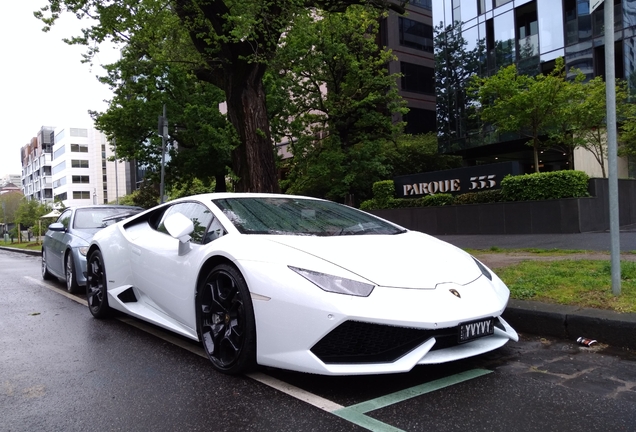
x: 82, y: 171
x: 36, y: 167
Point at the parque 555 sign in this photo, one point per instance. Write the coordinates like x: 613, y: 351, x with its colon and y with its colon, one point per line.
x: 455, y: 181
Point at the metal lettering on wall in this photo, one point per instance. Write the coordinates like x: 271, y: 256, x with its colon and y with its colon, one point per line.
x: 455, y: 181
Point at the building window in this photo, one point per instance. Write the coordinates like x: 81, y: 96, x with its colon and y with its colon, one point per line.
x: 59, y: 152
x: 79, y: 163
x: 76, y: 132
x: 79, y: 148
x: 81, y: 179
x: 417, y: 35
x: 424, y: 4
x: 59, y: 182
x: 59, y: 167
x: 59, y: 136
x: 419, y: 121
x: 417, y: 79
x: 81, y: 195
x: 61, y: 197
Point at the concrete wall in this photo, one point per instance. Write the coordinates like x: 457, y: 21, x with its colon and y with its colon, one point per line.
x: 570, y: 215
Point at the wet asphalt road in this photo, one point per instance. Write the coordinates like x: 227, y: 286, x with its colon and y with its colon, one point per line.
x: 62, y: 370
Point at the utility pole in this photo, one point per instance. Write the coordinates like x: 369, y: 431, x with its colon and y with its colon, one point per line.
x: 610, y: 94
x: 116, y: 174
x: 163, y: 131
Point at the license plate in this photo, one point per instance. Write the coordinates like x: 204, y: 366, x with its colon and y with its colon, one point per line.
x: 476, y: 329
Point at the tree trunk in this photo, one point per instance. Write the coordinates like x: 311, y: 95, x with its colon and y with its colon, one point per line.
x: 536, y: 154
x: 253, y: 160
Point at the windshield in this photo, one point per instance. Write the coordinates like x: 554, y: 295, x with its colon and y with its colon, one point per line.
x: 298, y: 216
x: 91, y: 218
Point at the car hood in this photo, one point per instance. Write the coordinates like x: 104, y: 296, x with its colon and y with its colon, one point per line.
x: 408, y: 260
x: 86, y: 235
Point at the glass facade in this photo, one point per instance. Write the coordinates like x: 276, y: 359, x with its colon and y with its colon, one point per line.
x: 481, y: 36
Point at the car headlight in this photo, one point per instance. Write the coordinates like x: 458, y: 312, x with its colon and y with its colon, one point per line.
x: 483, y: 269
x: 83, y: 250
x: 335, y: 284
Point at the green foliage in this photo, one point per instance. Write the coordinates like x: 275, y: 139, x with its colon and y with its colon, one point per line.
x: 481, y: 197
x: 29, y: 211
x: 440, y: 199
x: 589, y: 114
x: 456, y: 61
x: 534, y: 106
x: 9, y: 203
x: 411, y: 154
x: 338, y: 135
x: 542, y: 186
x: 383, y: 192
x: 226, y: 43
x: 146, y: 196
x: 193, y: 187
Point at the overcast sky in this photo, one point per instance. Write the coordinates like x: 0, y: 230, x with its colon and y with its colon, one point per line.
x: 42, y: 79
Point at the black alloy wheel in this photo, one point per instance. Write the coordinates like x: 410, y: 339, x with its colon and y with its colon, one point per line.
x: 96, y: 286
x: 71, y: 280
x: 45, y: 271
x: 225, y: 318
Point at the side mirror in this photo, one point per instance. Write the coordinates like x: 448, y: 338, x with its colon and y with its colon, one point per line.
x: 180, y: 227
x: 57, y: 226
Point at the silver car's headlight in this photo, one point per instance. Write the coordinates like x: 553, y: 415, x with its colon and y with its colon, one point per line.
x: 83, y: 250
x: 335, y: 284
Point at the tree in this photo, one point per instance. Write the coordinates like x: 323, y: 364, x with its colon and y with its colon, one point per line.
x: 533, y: 106
x: 203, y: 136
x: 411, y: 154
x: 455, y: 64
x: 230, y: 45
x: 28, y: 214
x: 340, y: 100
x: 589, y: 116
x: 9, y: 203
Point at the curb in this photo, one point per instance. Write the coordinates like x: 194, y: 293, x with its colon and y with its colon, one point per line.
x: 570, y: 322
x: 24, y: 251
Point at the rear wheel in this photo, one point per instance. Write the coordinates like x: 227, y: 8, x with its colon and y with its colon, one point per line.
x: 71, y: 279
x: 96, y: 286
x: 225, y: 319
x: 45, y: 271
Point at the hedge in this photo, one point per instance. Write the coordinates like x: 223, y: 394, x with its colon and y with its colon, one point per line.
x: 528, y: 187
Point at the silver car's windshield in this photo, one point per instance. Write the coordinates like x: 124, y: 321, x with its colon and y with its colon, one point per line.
x: 91, y: 218
x: 297, y: 216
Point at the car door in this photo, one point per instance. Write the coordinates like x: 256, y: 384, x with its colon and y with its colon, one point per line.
x: 57, y: 243
x: 166, y: 279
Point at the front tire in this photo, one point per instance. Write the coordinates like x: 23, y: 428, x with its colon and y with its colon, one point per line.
x: 96, y: 295
x: 69, y: 272
x: 45, y: 271
x: 225, y: 319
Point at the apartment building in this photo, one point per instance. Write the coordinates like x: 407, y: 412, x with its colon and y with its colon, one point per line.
x: 410, y: 38
x: 73, y: 165
x: 36, y: 166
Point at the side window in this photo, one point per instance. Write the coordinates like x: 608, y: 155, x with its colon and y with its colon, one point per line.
x: 215, y: 231
x: 65, y: 218
x: 200, y: 216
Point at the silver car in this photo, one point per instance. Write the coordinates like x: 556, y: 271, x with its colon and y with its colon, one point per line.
x: 67, y: 239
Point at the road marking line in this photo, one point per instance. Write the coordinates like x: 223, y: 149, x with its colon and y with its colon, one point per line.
x: 57, y: 290
x: 355, y: 414
x: 298, y: 393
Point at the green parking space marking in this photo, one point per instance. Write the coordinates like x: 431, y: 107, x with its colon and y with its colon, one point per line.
x: 357, y: 413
